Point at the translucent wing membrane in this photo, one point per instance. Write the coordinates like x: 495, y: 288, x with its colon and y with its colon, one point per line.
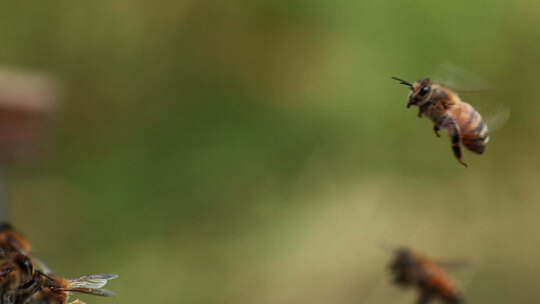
x: 497, y: 118
x: 93, y: 281
x: 389, y: 246
x: 446, y: 264
x: 452, y: 265
x: 93, y: 291
x: 460, y: 79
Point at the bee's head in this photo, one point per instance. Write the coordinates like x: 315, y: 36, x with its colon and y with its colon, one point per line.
x: 420, y: 91
x: 401, y: 267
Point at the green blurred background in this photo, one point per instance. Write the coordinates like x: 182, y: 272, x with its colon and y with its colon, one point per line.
x: 257, y: 151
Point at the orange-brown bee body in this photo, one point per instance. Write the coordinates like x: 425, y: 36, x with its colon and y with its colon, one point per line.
x: 50, y: 290
x: 410, y: 269
x: 22, y: 283
x: 11, y: 240
x: 16, y: 268
x: 447, y: 111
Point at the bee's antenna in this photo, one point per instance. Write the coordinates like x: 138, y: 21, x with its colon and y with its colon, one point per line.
x: 45, y: 275
x: 401, y: 81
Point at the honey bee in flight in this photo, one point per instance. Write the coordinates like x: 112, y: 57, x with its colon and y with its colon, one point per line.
x: 447, y: 111
x: 410, y: 269
x: 25, y: 280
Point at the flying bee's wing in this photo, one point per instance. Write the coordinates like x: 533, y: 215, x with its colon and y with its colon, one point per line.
x: 91, y: 284
x: 451, y: 265
x: 459, y: 79
x: 446, y: 264
x: 387, y: 246
x: 92, y: 291
x: 92, y: 280
x: 497, y: 118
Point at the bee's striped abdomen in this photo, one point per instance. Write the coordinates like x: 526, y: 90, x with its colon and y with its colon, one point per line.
x: 474, y: 131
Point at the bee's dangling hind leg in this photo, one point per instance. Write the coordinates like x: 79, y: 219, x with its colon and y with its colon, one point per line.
x: 456, y: 148
x: 453, y: 129
x: 457, y: 153
x: 424, y: 298
x: 436, y: 130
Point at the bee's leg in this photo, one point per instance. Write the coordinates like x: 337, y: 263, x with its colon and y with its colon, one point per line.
x: 436, y: 129
x: 423, y: 108
x: 455, y: 301
x: 455, y: 134
x: 424, y: 298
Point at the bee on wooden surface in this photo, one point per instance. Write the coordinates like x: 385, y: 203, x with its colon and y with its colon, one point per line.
x: 26, y: 280
x: 410, y: 269
x: 447, y: 111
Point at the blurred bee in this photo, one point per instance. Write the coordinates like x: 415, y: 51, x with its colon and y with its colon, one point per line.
x: 21, y: 282
x: 444, y: 107
x: 410, y: 269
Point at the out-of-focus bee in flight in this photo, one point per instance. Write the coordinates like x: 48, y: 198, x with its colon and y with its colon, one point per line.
x: 447, y: 111
x: 25, y: 280
x: 410, y: 269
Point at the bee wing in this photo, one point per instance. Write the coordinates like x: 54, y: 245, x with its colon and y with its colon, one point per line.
x: 450, y: 265
x: 92, y: 291
x: 93, y: 281
x: 459, y: 79
x: 497, y: 118
x: 447, y: 264
x: 389, y: 246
